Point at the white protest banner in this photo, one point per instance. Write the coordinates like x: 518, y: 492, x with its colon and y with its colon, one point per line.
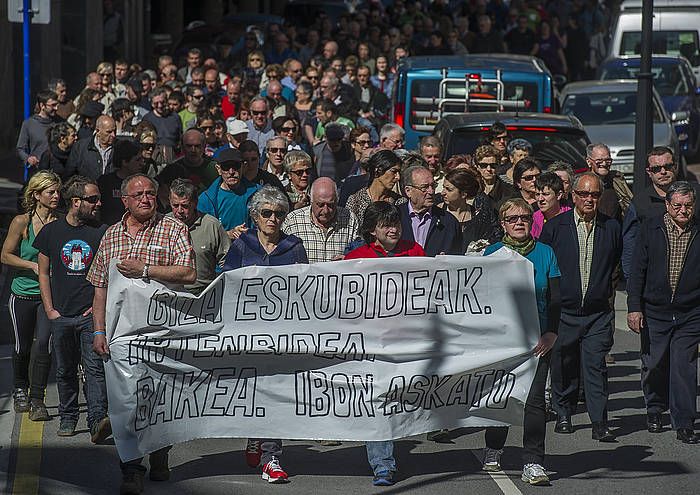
x: 354, y: 350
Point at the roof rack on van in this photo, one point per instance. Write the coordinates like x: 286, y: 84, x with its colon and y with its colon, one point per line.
x: 458, y: 95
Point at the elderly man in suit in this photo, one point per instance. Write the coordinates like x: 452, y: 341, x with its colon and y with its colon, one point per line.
x: 436, y: 230
x: 588, y: 246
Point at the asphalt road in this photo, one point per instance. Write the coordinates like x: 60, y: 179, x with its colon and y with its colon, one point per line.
x: 639, y: 463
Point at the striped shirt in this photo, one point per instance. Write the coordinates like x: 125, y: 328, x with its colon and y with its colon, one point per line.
x: 678, y: 241
x: 586, y: 236
x: 161, y: 241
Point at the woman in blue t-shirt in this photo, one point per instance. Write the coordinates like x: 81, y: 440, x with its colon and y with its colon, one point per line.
x: 516, y: 220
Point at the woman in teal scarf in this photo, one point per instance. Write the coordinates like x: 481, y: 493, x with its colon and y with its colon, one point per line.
x: 516, y: 220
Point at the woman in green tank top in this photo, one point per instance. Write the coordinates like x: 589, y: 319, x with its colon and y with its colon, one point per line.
x: 30, y: 323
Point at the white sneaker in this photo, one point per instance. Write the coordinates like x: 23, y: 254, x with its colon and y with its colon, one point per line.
x: 492, y: 459
x: 534, y: 474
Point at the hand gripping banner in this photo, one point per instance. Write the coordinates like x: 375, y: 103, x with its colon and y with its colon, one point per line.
x: 361, y: 350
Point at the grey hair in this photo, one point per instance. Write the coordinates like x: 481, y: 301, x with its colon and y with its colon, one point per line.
x: 578, y: 179
x: 183, y: 188
x: 407, y: 174
x: 332, y: 80
x: 258, y: 98
x: 275, y: 138
x: 388, y: 129
x: 268, y: 195
x: 562, y: 166
x: 317, y: 184
x: 127, y: 181
x: 293, y: 157
x: 680, y: 187
x: 593, y: 146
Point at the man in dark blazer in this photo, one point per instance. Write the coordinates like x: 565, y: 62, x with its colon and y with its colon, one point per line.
x: 434, y: 228
x: 663, y: 296
x: 588, y: 246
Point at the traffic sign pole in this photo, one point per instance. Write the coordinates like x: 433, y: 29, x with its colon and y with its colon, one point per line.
x: 26, y: 23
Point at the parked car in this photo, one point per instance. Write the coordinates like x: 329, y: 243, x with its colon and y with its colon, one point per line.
x: 676, y: 25
x: 428, y: 88
x: 553, y: 137
x: 608, y: 111
x: 675, y: 83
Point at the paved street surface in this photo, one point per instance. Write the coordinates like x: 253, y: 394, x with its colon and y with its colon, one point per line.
x: 639, y: 463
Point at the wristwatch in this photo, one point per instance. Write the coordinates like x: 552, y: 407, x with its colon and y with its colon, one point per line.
x: 144, y: 274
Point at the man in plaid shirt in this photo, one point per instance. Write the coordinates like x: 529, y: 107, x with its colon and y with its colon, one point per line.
x: 147, y: 245
x: 325, y: 228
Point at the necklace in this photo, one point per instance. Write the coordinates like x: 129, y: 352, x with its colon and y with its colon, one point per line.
x: 42, y: 220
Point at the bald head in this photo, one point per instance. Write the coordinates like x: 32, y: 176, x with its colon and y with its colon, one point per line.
x: 330, y: 50
x: 92, y: 81
x: 105, y: 130
x: 324, y: 201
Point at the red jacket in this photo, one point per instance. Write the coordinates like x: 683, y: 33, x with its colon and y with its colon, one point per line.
x: 403, y: 248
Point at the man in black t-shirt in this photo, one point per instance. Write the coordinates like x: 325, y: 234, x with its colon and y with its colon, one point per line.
x: 66, y: 250
x: 521, y: 39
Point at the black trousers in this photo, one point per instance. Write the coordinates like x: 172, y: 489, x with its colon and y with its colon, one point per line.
x: 579, y: 356
x: 534, y: 421
x: 671, y: 374
x: 32, y: 332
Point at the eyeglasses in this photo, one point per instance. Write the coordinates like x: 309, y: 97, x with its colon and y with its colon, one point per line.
x: 277, y: 150
x: 485, y: 165
x: 288, y: 129
x: 198, y: 97
x: 139, y: 195
x: 255, y: 59
x: 602, y: 162
x: 500, y: 138
x: 682, y: 206
x: 588, y: 194
x: 529, y: 177
x: 148, y: 145
x: 666, y: 166
x: 93, y: 200
x: 313, y: 78
x: 424, y: 187
x: 258, y: 112
x: 279, y: 214
x: 302, y: 172
x: 230, y: 165
x: 511, y: 219
x: 363, y: 142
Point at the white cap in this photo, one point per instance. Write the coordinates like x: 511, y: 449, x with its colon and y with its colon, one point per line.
x: 235, y: 126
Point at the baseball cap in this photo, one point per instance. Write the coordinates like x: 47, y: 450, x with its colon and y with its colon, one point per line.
x: 235, y: 126
x: 230, y: 155
x: 92, y: 109
x: 335, y: 132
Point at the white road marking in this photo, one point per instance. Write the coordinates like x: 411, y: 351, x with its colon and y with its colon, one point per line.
x: 505, y: 484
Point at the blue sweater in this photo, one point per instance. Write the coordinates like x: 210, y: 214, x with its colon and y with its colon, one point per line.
x: 247, y: 251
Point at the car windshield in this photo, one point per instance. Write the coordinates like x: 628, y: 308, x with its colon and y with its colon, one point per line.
x: 604, y: 108
x: 548, y: 144
x: 668, y: 78
x: 664, y: 43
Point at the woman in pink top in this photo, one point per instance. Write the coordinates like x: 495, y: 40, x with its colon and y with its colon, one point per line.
x: 550, y: 190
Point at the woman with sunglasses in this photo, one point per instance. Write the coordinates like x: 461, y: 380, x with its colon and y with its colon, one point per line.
x: 288, y: 128
x: 516, y: 219
x: 298, y: 166
x: 254, y: 70
x: 31, y: 326
x: 525, y: 175
x: 266, y: 245
x: 486, y: 160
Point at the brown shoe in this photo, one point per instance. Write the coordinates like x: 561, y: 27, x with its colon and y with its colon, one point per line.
x: 101, y: 430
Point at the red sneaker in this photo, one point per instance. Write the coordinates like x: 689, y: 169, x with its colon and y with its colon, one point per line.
x: 253, y: 453
x: 273, y: 473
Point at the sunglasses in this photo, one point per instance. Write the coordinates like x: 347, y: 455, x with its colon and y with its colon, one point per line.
x: 288, y: 129
x: 363, y: 142
x: 666, y: 166
x: 515, y: 218
x: 485, y: 165
x: 148, y: 145
x: 279, y: 214
x: 277, y: 150
x: 258, y: 112
x: 230, y: 165
x: 588, y: 194
x: 302, y: 172
x: 139, y: 195
x: 529, y: 177
x: 93, y: 200
x: 197, y: 97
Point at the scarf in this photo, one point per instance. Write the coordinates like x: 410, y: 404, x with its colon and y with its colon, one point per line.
x: 520, y: 247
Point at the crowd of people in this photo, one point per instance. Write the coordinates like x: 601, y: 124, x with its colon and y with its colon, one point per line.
x: 282, y: 153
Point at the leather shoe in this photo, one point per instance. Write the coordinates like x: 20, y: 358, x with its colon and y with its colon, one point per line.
x: 687, y: 435
x: 654, y: 423
x: 602, y: 433
x: 563, y: 425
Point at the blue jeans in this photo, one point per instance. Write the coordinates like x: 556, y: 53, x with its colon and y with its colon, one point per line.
x: 381, y: 456
x: 72, y: 340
